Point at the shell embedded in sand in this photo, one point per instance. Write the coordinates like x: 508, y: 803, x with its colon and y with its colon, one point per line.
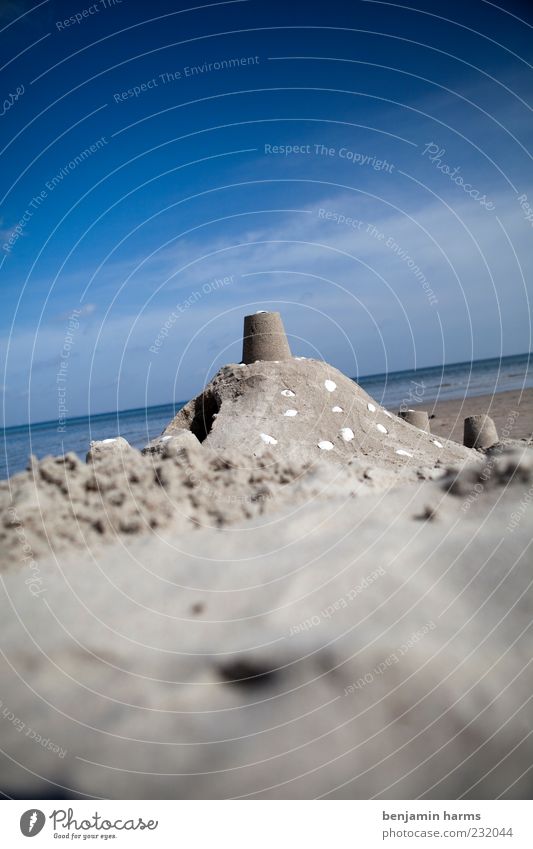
x: 337, y: 410
x: 330, y: 385
x: 403, y: 453
x: 437, y: 443
x: 325, y: 445
x: 371, y: 407
x: 268, y: 440
x: 288, y: 393
x: 347, y: 433
x: 290, y: 413
x: 382, y: 428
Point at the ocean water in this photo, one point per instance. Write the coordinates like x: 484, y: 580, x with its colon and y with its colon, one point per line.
x: 139, y: 426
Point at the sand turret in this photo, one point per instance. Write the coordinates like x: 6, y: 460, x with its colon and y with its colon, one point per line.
x: 264, y: 338
x: 479, y: 432
x: 417, y: 418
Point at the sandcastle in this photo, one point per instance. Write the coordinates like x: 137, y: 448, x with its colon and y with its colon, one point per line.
x: 303, y: 409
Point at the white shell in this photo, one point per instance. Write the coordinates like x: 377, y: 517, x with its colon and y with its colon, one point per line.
x: 288, y: 393
x: 371, y: 407
x: 337, y: 410
x: 330, y: 385
x: 437, y: 443
x: 111, y: 439
x: 347, y: 433
x: 268, y: 439
x: 382, y: 428
x: 325, y: 445
x: 290, y: 413
x: 403, y: 453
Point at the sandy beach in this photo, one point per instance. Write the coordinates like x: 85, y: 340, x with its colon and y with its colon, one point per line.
x: 501, y: 407
x: 291, y: 588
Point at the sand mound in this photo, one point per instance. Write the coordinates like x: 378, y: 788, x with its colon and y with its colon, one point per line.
x: 302, y: 410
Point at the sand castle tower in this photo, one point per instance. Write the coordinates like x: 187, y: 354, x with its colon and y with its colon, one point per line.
x: 417, y: 418
x: 264, y: 338
x: 479, y: 432
x: 299, y: 410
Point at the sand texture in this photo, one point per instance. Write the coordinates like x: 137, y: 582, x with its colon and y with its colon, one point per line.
x: 346, y: 647
x: 303, y: 409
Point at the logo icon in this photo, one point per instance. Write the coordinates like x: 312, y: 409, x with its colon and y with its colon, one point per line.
x: 32, y: 822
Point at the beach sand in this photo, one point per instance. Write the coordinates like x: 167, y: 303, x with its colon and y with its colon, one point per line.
x: 220, y: 625
x: 449, y: 415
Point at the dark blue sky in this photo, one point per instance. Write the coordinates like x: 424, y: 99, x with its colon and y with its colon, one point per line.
x: 148, y: 199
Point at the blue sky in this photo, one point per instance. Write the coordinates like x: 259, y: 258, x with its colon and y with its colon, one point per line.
x: 131, y: 184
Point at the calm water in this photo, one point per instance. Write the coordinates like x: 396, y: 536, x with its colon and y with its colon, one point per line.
x: 139, y: 426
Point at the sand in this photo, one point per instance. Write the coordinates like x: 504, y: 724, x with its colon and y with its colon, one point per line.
x: 247, y: 618
x: 305, y: 410
x: 373, y: 647
x: 512, y: 413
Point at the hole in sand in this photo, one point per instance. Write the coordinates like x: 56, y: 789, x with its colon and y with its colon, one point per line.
x: 246, y: 673
x: 205, y: 410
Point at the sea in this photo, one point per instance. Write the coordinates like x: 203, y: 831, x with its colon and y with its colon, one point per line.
x: 139, y: 426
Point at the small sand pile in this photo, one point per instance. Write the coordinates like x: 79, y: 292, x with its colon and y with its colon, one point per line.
x: 63, y: 502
